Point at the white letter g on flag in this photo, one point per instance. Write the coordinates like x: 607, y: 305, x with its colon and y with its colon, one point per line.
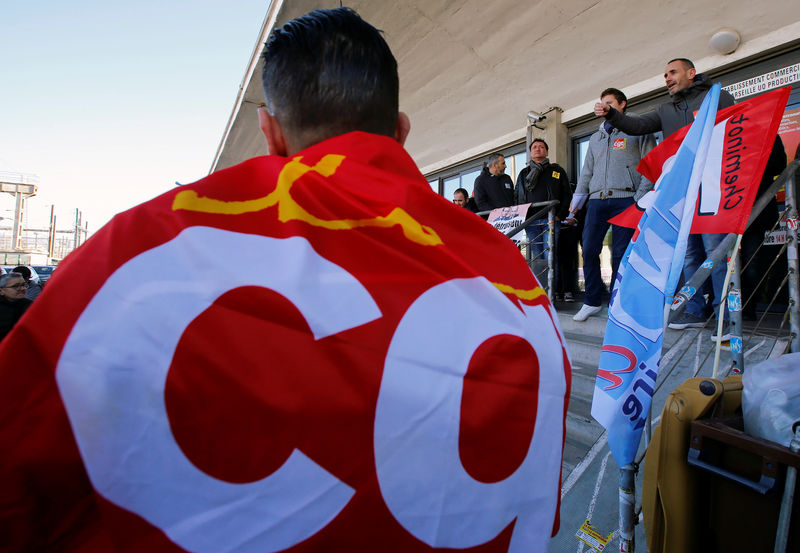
x: 420, y: 472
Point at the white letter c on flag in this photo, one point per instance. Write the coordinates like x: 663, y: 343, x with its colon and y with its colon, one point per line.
x: 112, y: 374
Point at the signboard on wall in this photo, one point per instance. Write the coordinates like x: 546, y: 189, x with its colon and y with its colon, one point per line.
x: 764, y: 82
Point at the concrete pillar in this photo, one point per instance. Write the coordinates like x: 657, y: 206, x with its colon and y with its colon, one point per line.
x: 555, y: 134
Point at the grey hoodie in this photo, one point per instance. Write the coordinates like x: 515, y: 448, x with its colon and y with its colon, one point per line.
x: 609, y: 169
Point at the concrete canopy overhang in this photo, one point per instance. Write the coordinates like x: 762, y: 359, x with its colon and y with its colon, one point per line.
x: 471, y: 70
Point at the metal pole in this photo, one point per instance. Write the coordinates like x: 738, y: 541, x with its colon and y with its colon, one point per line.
x: 51, y: 234
x: 551, y: 223
x: 77, y: 229
x: 782, y: 535
x: 19, y: 210
x: 627, y: 516
x: 724, y: 300
x: 791, y: 256
x: 735, y: 312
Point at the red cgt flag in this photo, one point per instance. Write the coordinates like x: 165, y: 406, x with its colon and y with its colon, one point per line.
x: 306, y: 354
x: 740, y: 146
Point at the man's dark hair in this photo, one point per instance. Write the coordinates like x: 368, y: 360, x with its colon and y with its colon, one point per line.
x: 687, y: 64
x: 535, y: 140
x: 618, y: 95
x: 462, y: 191
x: 23, y: 270
x: 330, y: 72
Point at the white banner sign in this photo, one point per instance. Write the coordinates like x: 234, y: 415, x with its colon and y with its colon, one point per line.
x: 507, y: 218
x: 767, y: 81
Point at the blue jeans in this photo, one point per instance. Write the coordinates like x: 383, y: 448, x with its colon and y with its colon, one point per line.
x: 537, y: 238
x: 698, y: 248
x: 598, y: 212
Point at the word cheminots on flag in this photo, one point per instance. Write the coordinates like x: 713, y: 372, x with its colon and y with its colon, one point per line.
x: 740, y: 147
x: 647, y: 275
x: 305, y: 354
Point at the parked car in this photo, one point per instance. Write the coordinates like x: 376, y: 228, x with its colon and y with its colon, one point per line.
x: 34, y: 274
x: 45, y: 272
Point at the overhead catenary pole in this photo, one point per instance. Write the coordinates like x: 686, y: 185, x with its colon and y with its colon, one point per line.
x: 51, y: 233
x: 76, y: 239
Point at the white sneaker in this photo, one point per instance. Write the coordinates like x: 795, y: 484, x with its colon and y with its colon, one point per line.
x: 586, y: 312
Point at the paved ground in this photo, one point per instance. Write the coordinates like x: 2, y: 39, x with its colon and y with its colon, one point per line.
x: 590, y: 474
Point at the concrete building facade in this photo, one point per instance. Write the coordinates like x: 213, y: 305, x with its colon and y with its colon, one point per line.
x: 471, y: 71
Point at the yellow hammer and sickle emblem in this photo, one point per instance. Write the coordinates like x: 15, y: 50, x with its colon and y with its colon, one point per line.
x: 290, y: 210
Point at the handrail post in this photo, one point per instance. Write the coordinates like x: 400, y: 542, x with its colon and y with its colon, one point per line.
x: 734, y: 299
x: 791, y: 257
x: 551, y: 224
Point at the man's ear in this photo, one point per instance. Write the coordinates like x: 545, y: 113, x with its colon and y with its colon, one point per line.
x: 403, y: 128
x: 691, y: 73
x: 276, y: 142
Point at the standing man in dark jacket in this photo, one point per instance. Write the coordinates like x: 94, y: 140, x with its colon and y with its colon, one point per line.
x: 542, y: 181
x: 687, y: 89
x: 753, y: 257
x: 13, y: 302
x: 493, y: 188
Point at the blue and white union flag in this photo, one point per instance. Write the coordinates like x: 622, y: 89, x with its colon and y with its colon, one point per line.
x: 646, y: 280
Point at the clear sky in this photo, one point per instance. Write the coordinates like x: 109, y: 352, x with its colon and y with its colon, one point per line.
x: 111, y: 102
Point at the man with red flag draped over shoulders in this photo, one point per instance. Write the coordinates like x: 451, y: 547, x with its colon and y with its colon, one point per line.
x: 309, y: 351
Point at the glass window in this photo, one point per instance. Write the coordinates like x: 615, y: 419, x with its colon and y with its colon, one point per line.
x: 434, y: 185
x: 464, y: 175
x: 468, y: 180
x: 518, y: 164
x: 581, y: 146
x: 450, y: 185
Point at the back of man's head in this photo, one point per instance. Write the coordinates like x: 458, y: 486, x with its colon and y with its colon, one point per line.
x: 23, y: 270
x: 327, y: 73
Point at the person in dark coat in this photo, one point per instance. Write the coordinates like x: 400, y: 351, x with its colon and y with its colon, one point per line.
x: 542, y: 181
x: 753, y: 259
x: 493, y: 188
x: 461, y: 198
x: 13, y: 302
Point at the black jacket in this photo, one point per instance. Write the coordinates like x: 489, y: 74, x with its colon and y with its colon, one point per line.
x: 493, y: 191
x: 552, y: 184
x: 775, y: 166
x: 10, y: 313
x: 669, y: 116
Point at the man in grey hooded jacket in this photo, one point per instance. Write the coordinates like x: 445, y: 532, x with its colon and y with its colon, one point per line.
x: 611, y: 184
x: 687, y: 89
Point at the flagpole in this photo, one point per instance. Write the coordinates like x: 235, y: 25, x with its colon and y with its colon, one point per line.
x: 627, y: 512
x: 724, y: 301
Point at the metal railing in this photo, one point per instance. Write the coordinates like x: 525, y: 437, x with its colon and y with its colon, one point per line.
x: 545, y: 208
x: 788, y: 180
x: 728, y: 248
